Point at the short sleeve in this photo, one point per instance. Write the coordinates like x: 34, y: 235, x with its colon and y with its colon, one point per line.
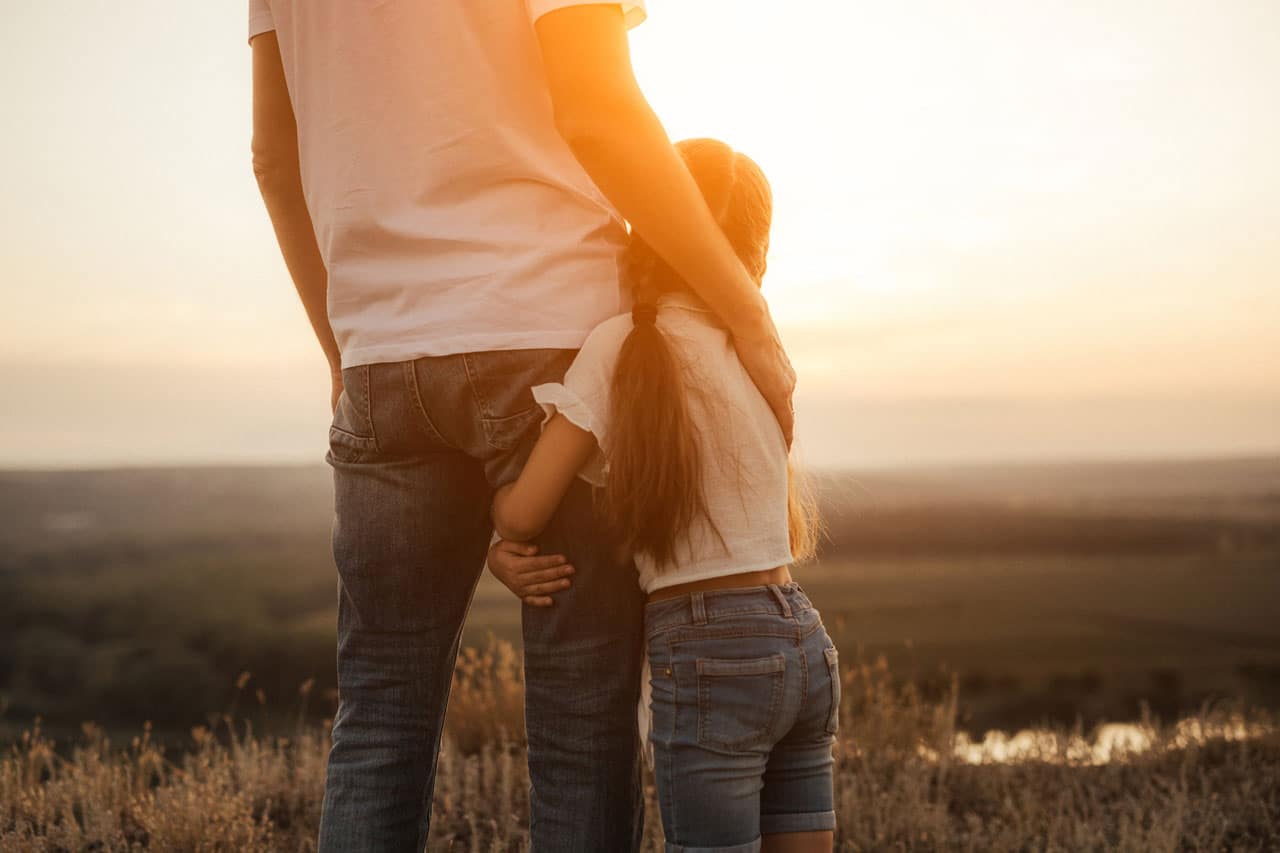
x: 583, y: 397
x: 633, y: 11
x: 554, y: 397
x: 260, y: 20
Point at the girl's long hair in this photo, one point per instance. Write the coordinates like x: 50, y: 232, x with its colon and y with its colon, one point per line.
x: 654, y: 491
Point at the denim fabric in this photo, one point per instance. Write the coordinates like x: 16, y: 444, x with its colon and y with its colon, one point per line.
x: 746, y: 699
x: 417, y: 449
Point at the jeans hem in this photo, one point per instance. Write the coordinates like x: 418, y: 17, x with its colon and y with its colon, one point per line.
x: 772, y: 824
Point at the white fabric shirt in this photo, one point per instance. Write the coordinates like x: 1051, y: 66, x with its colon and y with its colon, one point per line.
x: 743, y: 452
x: 450, y: 214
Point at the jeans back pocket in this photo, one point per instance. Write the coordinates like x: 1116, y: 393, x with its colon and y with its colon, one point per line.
x: 739, y: 701
x: 500, y: 381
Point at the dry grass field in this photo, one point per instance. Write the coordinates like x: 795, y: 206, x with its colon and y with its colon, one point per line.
x: 904, y: 782
x: 1038, y: 658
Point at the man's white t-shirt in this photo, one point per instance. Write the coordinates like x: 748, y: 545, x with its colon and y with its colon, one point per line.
x: 450, y: 214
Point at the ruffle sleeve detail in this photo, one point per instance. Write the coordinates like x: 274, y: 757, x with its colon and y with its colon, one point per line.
x: 554, y: 397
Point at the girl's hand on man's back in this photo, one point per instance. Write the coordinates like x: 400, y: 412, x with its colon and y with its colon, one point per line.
x: 532, y: 578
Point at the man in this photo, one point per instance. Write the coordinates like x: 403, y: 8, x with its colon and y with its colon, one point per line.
x: 448, y: 182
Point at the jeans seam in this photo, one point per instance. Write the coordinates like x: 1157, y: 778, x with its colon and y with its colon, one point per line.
x: 411, y: 380
x: 675, y: 711
x: 746, y: 611
x: 833, y: 690
x: 368, y: 406
x: 363, y: 441
x: 775, y: 709
x: 480, y: 401
x: 729, y: 635
x: 804, y: 670
x: 660, y: 629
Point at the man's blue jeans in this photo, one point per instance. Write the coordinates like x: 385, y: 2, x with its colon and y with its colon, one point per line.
x: 417, y: 449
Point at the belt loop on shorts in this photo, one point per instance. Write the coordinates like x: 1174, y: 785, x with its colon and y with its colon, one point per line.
x: 782, y: 599
x: 699, y: 608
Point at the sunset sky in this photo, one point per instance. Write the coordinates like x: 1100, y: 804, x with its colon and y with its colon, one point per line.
x: 1004, y: 230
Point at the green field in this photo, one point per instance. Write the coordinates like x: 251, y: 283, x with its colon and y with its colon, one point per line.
x: 1051, y: 592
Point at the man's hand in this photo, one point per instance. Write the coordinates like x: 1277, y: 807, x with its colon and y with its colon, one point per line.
x: 530, y: 577
x: 768, y: 366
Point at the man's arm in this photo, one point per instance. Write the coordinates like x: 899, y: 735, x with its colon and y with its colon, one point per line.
x: 606, y: 120
x: 275, y: 164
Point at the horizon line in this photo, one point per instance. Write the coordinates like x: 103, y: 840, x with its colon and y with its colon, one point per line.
x: 1049, y: 461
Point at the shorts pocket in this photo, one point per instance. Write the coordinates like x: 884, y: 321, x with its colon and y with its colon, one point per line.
x: 833, y: 667
x: 739, y: 701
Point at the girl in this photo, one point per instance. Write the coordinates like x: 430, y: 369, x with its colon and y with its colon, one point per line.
x: 658, y: 412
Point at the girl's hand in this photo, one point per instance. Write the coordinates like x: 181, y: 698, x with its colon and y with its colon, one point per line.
x: 532, y: 578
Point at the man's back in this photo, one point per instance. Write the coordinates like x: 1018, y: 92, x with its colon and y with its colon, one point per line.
x: 450, y: 214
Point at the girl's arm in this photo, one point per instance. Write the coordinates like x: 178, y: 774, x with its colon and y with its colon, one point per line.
x: 522, y: 509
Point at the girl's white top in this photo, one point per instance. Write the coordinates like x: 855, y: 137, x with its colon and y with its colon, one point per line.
x: 743, y: 453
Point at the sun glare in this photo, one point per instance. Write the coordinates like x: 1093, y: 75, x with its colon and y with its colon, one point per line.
x: 1012, y: 202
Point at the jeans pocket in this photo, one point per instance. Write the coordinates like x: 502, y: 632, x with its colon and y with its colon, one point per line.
x: 349, y: 448
x: 833, y: 667
x: 351, y: 435
x: 500, y: 383
x: 506, y: 433
x: 739, y: 701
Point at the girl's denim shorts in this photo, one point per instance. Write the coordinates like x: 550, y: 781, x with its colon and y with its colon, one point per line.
x: 746, y: 704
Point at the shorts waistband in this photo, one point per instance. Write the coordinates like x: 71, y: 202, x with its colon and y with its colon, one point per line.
x: 700, y: 608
